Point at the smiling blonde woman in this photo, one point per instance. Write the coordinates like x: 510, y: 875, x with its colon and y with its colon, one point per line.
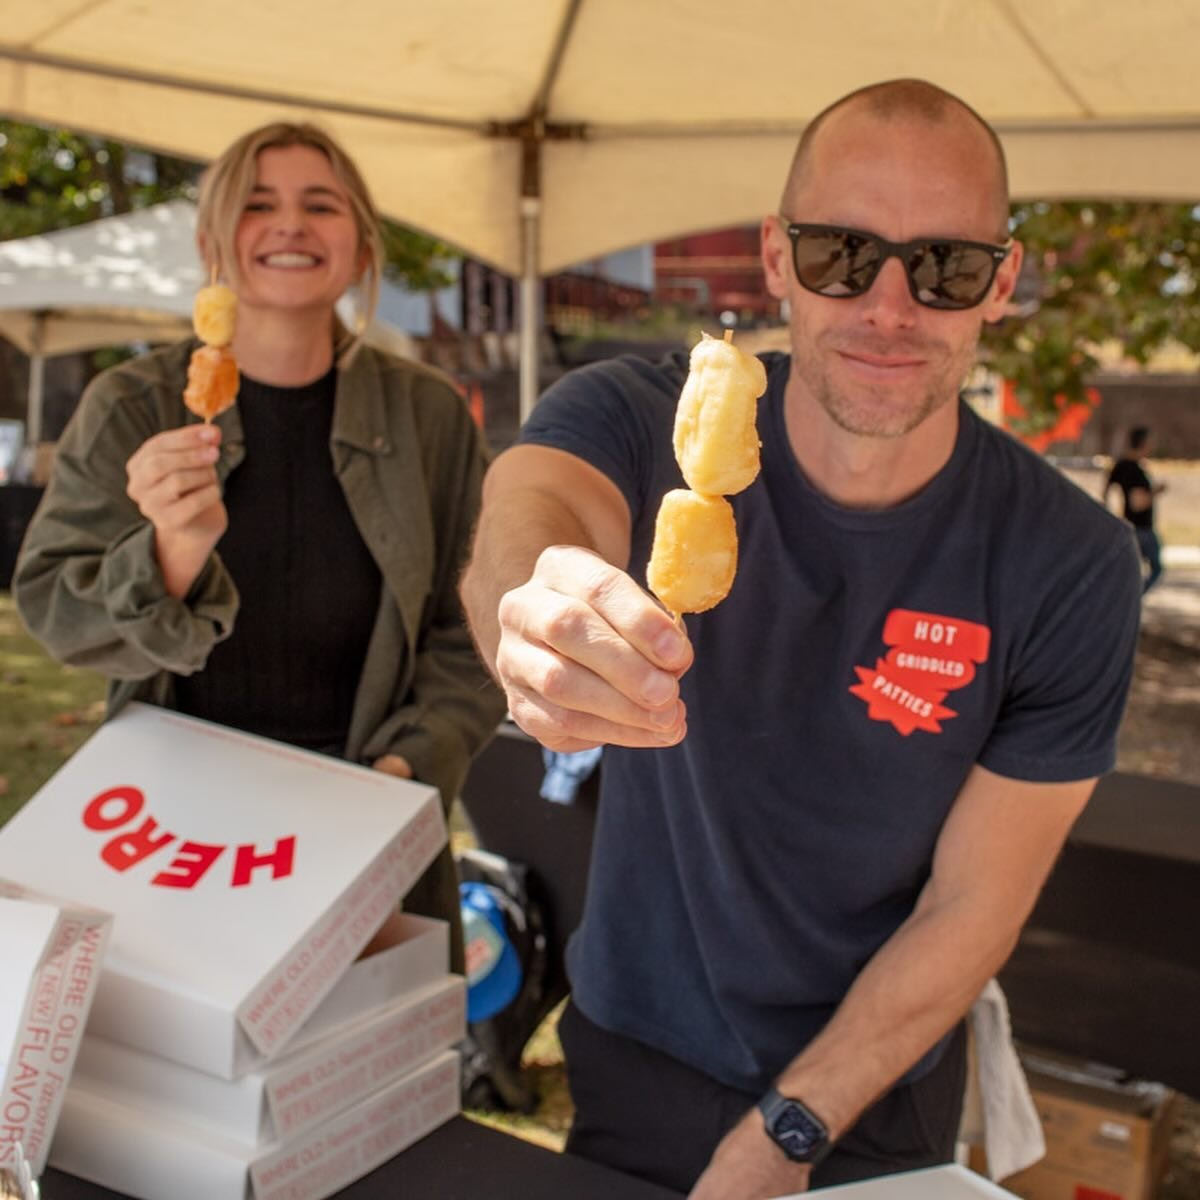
x: 290, y: 568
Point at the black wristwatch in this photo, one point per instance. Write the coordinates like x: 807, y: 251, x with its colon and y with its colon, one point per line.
x: 795, y: 1128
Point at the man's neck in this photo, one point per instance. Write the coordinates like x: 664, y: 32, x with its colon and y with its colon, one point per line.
x: 868, y: 473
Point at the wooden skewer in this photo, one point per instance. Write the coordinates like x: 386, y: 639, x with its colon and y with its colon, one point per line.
x: 729, y: 336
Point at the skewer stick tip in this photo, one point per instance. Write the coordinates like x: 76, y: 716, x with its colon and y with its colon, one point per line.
x: 729, y: 336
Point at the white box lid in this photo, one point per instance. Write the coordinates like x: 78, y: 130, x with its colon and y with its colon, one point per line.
x: 244, y: 876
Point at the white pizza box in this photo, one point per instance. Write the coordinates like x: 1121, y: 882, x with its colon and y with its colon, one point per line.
x: 408, y: 952
x: 50, y: 956
x: 407, y: 958
x: 950, y: 1182
x: 143, y: 1153
x: 244, y: 877
x: 300, y: 1089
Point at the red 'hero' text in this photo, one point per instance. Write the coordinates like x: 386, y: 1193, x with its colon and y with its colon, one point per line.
x: 119, y: 807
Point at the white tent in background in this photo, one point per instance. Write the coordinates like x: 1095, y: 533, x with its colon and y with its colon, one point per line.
x: 534, y: 134
x: 130, y: 278
x: 123, y: 279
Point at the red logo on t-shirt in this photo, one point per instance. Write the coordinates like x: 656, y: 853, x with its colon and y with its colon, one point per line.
x: 931, y: 655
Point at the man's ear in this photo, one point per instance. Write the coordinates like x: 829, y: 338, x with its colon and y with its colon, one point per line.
x: 776, y: 253
x: 995, y: 307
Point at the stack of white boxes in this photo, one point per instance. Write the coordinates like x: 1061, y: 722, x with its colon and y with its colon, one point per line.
x: 241, y: 1042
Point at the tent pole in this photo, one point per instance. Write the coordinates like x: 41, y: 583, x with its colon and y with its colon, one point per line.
x: 37, y: 382
x: 37, y: 385
x: 531, y: 309
x: 532, y: 133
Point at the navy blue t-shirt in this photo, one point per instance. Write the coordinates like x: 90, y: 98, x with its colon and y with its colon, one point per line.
x: 861, y: 665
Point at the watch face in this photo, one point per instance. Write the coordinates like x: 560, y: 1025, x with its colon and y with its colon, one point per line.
x: 797, y: 1133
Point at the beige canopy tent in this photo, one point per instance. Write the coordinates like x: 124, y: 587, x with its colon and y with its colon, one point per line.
x: 534, y: 134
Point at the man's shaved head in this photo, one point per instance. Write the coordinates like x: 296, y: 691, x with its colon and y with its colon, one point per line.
x: 900, y: 99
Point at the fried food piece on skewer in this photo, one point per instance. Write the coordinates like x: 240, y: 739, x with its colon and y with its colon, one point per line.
x: 212, y: 381
x: 716, y: 442
x: 695, y: 551
x: 214, y: 314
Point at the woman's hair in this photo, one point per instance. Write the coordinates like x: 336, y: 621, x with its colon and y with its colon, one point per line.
x: 227, y: 183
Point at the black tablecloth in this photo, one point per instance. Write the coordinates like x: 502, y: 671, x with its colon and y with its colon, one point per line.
x: 460, y: 1161
x: 1108, y: 967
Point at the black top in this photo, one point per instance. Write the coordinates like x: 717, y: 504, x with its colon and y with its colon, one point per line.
x: 1128, y: 474
x: 309, y: 588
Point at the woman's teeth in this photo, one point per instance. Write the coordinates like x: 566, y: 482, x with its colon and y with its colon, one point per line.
x: 290, y: 260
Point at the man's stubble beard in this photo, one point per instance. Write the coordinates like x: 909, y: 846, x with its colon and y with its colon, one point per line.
x: 869, y: 413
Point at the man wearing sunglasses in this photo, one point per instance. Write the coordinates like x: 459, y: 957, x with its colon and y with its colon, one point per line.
x: 891, y: 722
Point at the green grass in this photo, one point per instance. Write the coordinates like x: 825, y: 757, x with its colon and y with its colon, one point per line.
x: 46, y: 711
x: 542, y: 1067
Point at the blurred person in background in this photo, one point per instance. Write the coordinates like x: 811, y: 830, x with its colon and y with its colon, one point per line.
x: 1137, y: 499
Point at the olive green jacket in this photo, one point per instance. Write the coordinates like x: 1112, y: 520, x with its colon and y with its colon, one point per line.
x: 410, y: 462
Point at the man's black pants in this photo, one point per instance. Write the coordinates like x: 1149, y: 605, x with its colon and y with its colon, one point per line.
x: 640, y: 1111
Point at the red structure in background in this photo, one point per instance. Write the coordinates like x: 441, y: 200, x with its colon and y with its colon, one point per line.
x: 1072, y: 417
x: 574, y: 299
x: 715, y: 273
x: 707, y: 275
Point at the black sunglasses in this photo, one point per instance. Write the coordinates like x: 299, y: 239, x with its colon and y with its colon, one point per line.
x: 946, y: 273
